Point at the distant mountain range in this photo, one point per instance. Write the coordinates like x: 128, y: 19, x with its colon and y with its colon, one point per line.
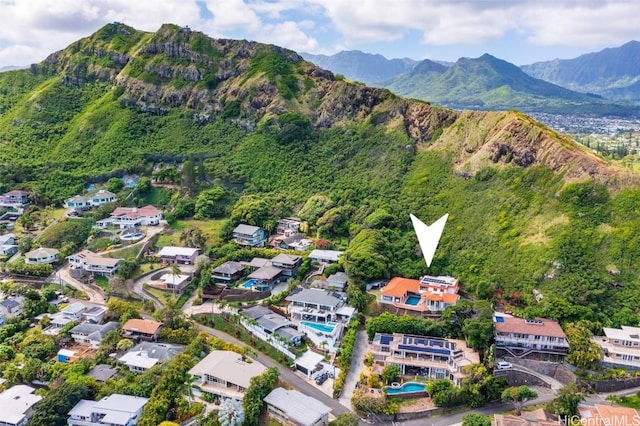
x: 365, y: 67
x: 606, y: 82
x: 613, y: 73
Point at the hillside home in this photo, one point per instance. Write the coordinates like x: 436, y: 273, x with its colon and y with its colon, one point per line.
x: 338, y: 281
x: 621, y: 347
x: 7, y: 240
x: 225, y: 374
x: 88, y: 334
x: 269, y: 322
x: 145, y: 355
x: 132, y: 217
x: 11, y: 307
x: 423, y: 356
x: 94, y: 314
x: 292, y: 408
x: 17, y: 404
x: 93, y: 198
x: 295, y: 242
x: 227, y: 273
x: 325, y: 256
x: 536, y: 338
x: 41, y: 256
x: 15, y: 198
x: 428, y: 294
x: 102, y: 372
x: 265, y: 278
x: 183, y: 255
x: 74, y: 311
x: 315, y: 305
x: 141, y: 329
x: 608, y: 415
x: 248, y: 235
x: 288, y: 264
x: 175, y: 283
x: 112, y: 410
x: 89, y: 262
x: 8, y: 249
x: 257, y: 263
x: 288, y: 226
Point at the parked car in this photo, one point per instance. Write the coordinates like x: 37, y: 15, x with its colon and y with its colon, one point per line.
x: 503, y: 365
x: 322, y: 377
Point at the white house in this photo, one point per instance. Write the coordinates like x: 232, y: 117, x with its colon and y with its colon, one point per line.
x: 41, y: 255
x: 17, y: 404
x: 621, y: 347
x: 15, y: 198
x: 538, y: 338
x: 325, y: 256
x: 248, y: 235
x: 91, y: 262
x: 11, y: 307
x: 87, y: 334
x: 131, y: 217
x: 145, y: 355
x: 225, y: 374
x: 174, y: 254
x: 112, y: 410
x: 291, y: 407
x: 92, y: 199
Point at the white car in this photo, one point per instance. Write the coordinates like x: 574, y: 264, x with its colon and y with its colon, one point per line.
x: 503, y: 365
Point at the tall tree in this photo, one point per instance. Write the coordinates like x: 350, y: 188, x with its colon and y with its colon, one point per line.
x: 192, y: 237
x: 518, y: 396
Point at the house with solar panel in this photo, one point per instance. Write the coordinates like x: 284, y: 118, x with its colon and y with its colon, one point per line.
x: 423, y: 356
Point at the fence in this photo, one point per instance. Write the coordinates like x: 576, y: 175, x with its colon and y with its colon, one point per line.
x: 269, y: 338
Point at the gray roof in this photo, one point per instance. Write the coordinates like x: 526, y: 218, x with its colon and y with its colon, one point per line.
x: 229, y: 267
x: 245, y: 229
x: 257, y: 311
x: 119, y: 402
x: 159, y: 351
x: 289, y: 333
x: 259, y: 262
x: 95, y: 331
x: 330, y: 255
x: 338, y: 278
x: 286, y: 259
x: 229, y: 367
x: 102, y: 372
x: 298, y: 407
x: 10, y: 303
x: 314, y: 296
x: 272, y: 321
x: 265, y: 273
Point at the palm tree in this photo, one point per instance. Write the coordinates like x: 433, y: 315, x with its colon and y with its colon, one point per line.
x: 231, y: 412
x: 175, y: 273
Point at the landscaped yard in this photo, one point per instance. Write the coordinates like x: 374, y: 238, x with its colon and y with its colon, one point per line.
x: 210, y: 229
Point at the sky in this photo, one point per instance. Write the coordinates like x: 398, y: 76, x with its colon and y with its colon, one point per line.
x: 518, y: 31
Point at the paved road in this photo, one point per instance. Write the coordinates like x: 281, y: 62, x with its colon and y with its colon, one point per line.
x: 286, y: 374
x: 94, y: 295
x: 555, y: 384
x: 356, y: 366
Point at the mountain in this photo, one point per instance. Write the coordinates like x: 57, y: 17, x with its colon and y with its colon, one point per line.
x: 612, y: 72
x: 10, y: 68
x: 487, y: 83
x: 360, y: 66
x: 279, y: 136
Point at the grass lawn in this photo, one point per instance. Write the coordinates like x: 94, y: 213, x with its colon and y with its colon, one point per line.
x: 158, y: 196
x: 631, y: 401
x: 127, y: 252
x: 148, y: 267
x: 210, y: 228
x: 102, y: 282
x: 160, y: 294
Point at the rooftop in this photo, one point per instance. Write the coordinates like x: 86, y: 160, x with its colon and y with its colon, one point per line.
x: 298, y: 407
x: 92, y: 258
x: 536, y: 326
x: 314, y: 296
x: 228, y: 366
x: 41, y: 252
x: 601, y: 414
x: 102, y: 372
x: 230, y: 267
x: 15, y: 402
x: 246, y: 229
x: 399, y: 286
x: 265, y: 273
x: 177, y: 251
x: 286, y: 259
x: 142, y: 326
x: 148, y: 354
x: 331, y: 255
x: 624, y: 333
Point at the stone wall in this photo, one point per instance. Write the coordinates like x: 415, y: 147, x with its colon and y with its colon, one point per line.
x: 609, y: 385
x: 549, y: 368
x: 518, y: 378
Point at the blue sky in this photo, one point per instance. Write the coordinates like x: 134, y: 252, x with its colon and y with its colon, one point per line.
x: 519, y: 31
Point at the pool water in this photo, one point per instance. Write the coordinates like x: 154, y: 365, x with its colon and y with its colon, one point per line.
x: 248, y: 284
x: 412, y: 300
x: 406, y: 388
x: 325, y: 328
x: 132, y: 236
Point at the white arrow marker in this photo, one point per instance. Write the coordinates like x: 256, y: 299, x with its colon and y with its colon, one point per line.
x: 429, y: 236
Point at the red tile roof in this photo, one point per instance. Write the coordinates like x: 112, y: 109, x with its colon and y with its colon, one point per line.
x: 142, y: 326
x: 548, y: 327
x: 398, y: 287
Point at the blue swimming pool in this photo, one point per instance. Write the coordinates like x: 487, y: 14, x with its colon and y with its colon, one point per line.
x: 409, y: 387
x: 248, y: 284
x: 325, y: 328
x: 412, y: 300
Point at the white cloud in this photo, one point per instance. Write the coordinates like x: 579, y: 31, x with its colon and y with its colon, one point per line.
x: 232, y: 14
x: 288, y: 34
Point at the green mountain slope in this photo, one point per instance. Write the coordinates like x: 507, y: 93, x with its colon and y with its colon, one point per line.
x: 529, y: 208
x: 612, y: 72
x: 487, y: 83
